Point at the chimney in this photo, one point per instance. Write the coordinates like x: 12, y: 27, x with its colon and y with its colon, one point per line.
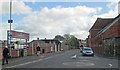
x: 38, y: 38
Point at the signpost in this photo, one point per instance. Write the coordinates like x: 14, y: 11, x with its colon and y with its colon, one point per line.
x: 10, y: 21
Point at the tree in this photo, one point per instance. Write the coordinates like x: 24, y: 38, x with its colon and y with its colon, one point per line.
x: 59, y: 37
x: 74, y: 42
x: 67, y: 39
x: 71, y: 41
x: 67, y: 36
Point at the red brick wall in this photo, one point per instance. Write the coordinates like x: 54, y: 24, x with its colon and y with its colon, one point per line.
x: 93, y: 32
x: 34, y: 47
x: 48, y: 49
x: 29, y: 51
x: 14, y: 53
x: 0, y: 52
x: 118, y: 28
x: 111, y: 32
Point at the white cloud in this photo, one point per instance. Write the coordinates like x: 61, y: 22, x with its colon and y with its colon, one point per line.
x: 18, y: 7
x: 113, y: 12
x: 49, y: 22
x: 62, y: 0
x: 119, y: 8
x: 3, y: 30
x: 4, y: 26
x: 114, y: 0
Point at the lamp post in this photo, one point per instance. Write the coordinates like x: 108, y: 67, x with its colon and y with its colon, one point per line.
x: 10, y: 21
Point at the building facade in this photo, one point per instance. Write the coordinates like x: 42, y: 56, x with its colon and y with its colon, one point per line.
x: 46, y: 45
x: 82, y: 43
x: 105, y: 36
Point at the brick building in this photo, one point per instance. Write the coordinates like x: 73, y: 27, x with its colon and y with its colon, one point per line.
x: 105, y: 36
x: 82, y: 43
x: 55, y: 45
x: 46, y: 45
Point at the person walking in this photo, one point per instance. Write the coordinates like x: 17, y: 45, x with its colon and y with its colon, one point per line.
x: 38, y: 50
x: 5, y: 55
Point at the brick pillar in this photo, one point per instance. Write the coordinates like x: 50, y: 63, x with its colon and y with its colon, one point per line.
x: 55, y: 48
x: 29, y: 51
x: 14, y: 53
x: 58, y: 47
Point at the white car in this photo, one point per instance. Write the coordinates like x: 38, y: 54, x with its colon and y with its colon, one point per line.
x: 87, y: 51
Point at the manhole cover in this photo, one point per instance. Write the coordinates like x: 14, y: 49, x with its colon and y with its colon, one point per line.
x: 78, y: 64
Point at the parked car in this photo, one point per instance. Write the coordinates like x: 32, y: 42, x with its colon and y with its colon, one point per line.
x: 87, y: 51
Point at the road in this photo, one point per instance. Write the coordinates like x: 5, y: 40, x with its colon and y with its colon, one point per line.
x: 62, y: 60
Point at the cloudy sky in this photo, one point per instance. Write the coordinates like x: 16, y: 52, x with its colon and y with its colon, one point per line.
x: 48, y: 19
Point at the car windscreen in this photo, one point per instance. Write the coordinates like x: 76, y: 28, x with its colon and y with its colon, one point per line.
x: 87, y: 49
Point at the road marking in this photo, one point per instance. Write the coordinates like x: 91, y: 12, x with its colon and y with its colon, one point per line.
x: 110, y: 65
x: 78, y: 64
x: 84, y: 60
x: 24, y: 63
x: 74, y: 57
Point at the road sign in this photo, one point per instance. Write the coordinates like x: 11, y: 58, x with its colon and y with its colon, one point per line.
x: 10, y: 21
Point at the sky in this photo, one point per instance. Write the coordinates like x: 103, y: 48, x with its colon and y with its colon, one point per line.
x: 48, y: 19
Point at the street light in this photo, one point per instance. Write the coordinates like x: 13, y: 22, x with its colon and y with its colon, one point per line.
x: 10, y: 21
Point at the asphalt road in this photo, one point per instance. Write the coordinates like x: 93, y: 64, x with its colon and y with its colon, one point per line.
x: 68, y: 59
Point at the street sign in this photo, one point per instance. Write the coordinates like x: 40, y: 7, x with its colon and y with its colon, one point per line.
x: 19, y: 35
x: 10, y: 21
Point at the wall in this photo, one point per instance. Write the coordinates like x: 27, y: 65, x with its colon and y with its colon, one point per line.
x: 15, y: 53
x: 0, y: 52
x: 104, y: 43
x: 29, y: 51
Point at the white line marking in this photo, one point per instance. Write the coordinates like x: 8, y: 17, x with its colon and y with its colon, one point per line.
x: 74, y: 57
x: 84, y: 60
x: 24, y: 63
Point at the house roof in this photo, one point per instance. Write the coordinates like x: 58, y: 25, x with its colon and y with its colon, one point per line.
x: 47, y: 40
x: 109, y: 25
x: 52, y: 40
x: 101, y: 23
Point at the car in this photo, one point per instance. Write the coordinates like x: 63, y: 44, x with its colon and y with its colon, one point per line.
x: 87, y: 51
